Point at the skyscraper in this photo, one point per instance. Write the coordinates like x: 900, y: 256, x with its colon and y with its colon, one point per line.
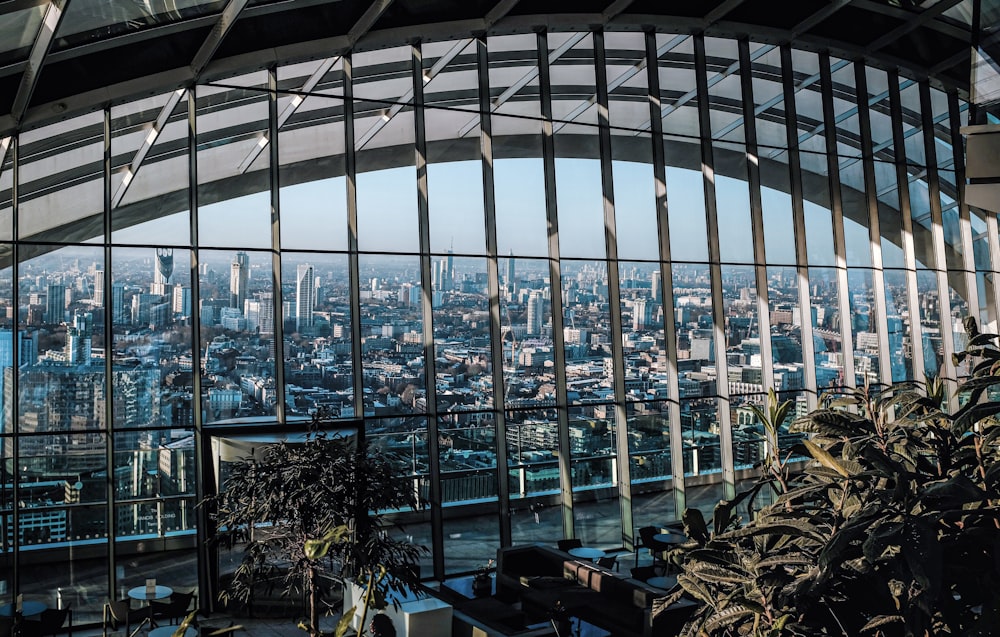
x: 239, y: 280
x: 55, y: 303
x: 654, y: 282
x: 305, y: 296
x: 98, y: 287
x: 536, y: 311
x: 118, y: 303
x: 161, y: 273
x: 510, y: 272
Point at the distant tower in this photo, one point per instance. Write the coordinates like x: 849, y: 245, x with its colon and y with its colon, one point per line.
x: 55, y: 303
x: 655, y: 285
x: 239, y: 280
x: 305, y: 296
x: 449, y: 282
x: 536, y: 310
x: 79, y: 339
x: 118, y: 303
x: 98, y: 287
x: 510, y: 271
x: 164, y: 268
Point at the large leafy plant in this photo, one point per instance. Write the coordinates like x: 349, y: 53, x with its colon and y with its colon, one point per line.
x: 893, y: 530
x: 309, y: 515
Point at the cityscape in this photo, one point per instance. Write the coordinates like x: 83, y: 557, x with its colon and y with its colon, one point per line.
x: 62, y: 391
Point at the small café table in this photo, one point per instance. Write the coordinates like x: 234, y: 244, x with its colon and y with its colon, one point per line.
x: 586, y: 553
x: 168, y: 631
x: 140, y: 593
x: 28, y: 609
x: 670, y: 538
x: 666, y: 582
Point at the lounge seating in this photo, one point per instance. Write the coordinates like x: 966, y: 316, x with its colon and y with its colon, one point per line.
x: 545, y: 580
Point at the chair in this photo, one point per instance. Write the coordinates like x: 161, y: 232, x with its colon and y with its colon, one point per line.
x: 656, y: 549
x: 120, y: 613
x: 173, y: 611
x: 51, y: 621
x: 570, y: 543
x: 609, y: 562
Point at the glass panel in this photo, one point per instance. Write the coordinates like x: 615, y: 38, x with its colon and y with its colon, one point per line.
x: 316, y: 316
x: 313, y: 193
x: 642, y: 330
x: 580, y: 200
x: 61, y: 379
x: 678, y: 92
x: 824, y: 300
x: 702, y: 454
x: 958, y: 300
x: 596, y: 509
x: 526, y: 326
x: 725, y: 95
x: 688, y: 225
x: 898, y: 326
x: 392, y: 340
x: 451, y: 79
x: 739, y: 297
x: 635, y: 207
x: 930, y: 322
x: 819, y: 234
x: 864, y: 327
x: 628, y: 101
x: 533, y: 474
x: 733, y: 209
x: 61, y: 189
x: 695, y: 333
x: 150, y: 303
x: 150, y: 170
x: 786, y: 325
x: 237, y: 332
x: 650, y: 465
x: 6, y: 188
x: 768, y: 97
x: 779, y: 230
x: 463, y: 363
x: 587, y: 332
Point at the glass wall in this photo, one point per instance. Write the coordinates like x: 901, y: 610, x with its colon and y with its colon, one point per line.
x: 537, y: 266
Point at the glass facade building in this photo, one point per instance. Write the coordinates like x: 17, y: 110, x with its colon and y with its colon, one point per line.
x: 547, y: 271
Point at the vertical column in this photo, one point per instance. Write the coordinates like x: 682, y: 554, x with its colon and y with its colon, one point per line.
x: 15, y: 377
x: 837, y: 212
x: 965, y: 223
x: 493, y: 276
x: 624, y: 477
x: 109, y: 444
x: 715, y: 269
x: 426, y: 286
x: 937, y: 236
x: 799, y: 221
x: 909, y: 258
x: 874, y: 232
x: 276, y: 298
x: 204, y: 480
x: 351, y: 174
x: 666, y: 279
x: 555, y: 285
x: 756, y: 218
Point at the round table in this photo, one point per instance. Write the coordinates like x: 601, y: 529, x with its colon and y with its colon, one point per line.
x: 28, y: 609
x: 666, y: 582
x: 168, y: 631
x: 670, y: 538
x: 586, y: 553
x: 140, y: 593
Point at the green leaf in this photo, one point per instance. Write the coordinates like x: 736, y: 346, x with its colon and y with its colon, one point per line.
x: 725, y: 617
x: 880, y: 620
x: 972, y: 414
x: 824, y: 458
x: 694, y: 525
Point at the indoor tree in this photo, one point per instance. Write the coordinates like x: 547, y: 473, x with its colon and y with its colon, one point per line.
x: 313, y: 513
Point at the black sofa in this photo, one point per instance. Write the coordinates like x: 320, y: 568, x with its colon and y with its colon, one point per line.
x: 549, y: 582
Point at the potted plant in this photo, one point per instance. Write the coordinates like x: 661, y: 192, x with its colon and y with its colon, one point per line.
x: 891, y: 531
x: 482, y: 583
x: 310, y: 516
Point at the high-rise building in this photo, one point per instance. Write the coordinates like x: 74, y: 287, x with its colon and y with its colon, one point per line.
x: 654, y: 281
x: 79, y: 339
x: 161, y: 273
x: 182, y: 300
x: 511, y: 273
x: 55, y: 303
x: 98, y: 287
x: 305, y: 297
x: 239, y: 280
x: 535, y: 313
x: 118, y: 316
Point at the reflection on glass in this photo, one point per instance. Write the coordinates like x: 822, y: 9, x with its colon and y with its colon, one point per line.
x: 864, y: 326
x: 702, y: 453
x: 930, y: 322
x: 316, y: 317
x: 739, y: 298
x: 596, y: 510
x: 898, y: 326
x: 237, y: 334
x: 533, y: 466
